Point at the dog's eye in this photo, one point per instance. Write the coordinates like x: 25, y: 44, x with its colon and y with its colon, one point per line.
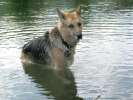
x: 71, y: 26
x: 79, y: 24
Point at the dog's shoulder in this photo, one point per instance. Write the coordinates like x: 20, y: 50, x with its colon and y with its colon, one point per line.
x: 37, y: 44
x: 54, y: 34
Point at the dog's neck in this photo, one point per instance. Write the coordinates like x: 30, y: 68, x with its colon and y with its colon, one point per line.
x: 59, y: 27
x: 57, y: 31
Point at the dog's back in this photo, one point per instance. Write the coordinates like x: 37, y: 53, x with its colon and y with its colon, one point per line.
x: 38, y: 48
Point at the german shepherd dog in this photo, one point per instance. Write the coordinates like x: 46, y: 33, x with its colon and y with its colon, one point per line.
x: 57, y: 46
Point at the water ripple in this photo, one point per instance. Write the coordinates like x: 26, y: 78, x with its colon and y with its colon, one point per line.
x: 103, y: 61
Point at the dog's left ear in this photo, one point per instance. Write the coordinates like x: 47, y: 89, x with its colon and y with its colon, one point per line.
x: 60, y: 14
x: 78, y: 10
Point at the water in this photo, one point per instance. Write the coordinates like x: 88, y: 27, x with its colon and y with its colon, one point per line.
x: 103, y: 64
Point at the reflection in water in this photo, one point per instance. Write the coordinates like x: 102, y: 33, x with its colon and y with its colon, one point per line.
x: 61, y: 85
x: 23, y: 10
x: 123, y: 3
x: 104, y: 58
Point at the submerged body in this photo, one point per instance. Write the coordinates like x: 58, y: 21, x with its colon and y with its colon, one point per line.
x: 41, y: 49
x: 57, y: 46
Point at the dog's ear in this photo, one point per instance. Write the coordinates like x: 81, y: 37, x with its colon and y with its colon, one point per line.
x: 60, y: 14
x: 78, y: 10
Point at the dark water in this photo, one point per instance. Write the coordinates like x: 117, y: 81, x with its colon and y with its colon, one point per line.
x: 103, y: 62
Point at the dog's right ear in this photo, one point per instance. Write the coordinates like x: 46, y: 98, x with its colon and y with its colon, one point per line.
x: 60, y: 14
x: 78, y: 10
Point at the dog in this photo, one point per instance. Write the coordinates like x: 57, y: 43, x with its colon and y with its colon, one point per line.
x: 57, y: 46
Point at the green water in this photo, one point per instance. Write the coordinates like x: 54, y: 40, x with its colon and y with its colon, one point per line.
x: 103, y: 64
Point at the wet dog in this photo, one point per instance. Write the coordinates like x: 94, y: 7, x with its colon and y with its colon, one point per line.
x: 57, y: 46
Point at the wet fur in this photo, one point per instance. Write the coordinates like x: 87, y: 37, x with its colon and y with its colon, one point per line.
x: 57, y: 46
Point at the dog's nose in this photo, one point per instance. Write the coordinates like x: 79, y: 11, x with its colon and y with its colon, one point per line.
x: 79, y: 35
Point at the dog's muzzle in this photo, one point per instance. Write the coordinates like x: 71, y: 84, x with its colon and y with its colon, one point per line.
x: 79, y: 35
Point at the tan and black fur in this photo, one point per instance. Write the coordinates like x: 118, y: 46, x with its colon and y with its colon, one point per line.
x: 57, y: 46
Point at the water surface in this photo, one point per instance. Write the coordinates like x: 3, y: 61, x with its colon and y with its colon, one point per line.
x: 103, y: 62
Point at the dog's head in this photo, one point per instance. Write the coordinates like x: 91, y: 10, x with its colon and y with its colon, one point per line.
x: 70, y: 25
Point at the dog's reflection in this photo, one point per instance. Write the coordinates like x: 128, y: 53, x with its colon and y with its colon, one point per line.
x: 60, y: 84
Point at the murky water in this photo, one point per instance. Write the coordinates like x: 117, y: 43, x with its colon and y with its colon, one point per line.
x: 103, y: 62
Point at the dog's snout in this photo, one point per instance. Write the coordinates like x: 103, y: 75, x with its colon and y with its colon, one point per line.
x: 79, y: 35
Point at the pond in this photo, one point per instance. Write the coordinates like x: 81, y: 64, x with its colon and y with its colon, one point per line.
x: 103, y: 64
